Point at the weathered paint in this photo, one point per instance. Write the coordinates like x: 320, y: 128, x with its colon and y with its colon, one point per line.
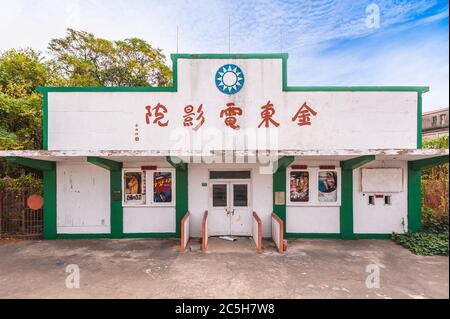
x: 83, y: 199
x: 381, y: 218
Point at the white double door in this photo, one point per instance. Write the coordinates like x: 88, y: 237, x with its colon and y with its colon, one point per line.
x: 230, y: 210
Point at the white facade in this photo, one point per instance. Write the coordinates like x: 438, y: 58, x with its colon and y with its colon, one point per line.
x: 121, y: 193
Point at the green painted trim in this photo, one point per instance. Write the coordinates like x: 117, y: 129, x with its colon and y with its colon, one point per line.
x: 357, y: 88
x: 32, y: 163
x: 115, y: 176
x: 312, y: 235
x: 49, y: 203
x: 346, y: 209
x: 279, y: 185
x: 283, y: 162
x: 414, y: 199
x: 82, y: 236
x: 373, y: 236
x: 357, y: 162
x: 176, y: 162
x: 229, y: 56
x: 419, y: 119
x: 150, y: 235
x: 182, y: 203
x: 181, y: 189
x: 116, y: 204
x: 428, y: 162
x: 105, y: 163
x: 106, y: 89
x: 45, y: 122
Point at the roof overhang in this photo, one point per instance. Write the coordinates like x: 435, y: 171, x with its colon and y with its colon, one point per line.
x: 143, y: 156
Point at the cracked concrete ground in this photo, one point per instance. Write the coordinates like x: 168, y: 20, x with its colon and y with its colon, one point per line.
x: 154, y: 268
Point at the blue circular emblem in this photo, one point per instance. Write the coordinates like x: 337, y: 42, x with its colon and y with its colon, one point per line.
x: 229, y: 79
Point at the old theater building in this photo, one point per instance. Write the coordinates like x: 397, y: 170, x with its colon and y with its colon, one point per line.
x: 231, y: 138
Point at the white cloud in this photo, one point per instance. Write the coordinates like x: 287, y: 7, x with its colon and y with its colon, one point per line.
x: 312, y: 32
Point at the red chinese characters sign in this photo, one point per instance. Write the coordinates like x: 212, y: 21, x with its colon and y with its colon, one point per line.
x: 303, y: 115
x: 230, y: 114
x: 195, y: 117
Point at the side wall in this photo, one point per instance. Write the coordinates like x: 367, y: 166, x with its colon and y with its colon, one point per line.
x: 380, y: 218
x: 82, y: 199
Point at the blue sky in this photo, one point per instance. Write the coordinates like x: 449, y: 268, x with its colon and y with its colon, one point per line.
x: 328, y: 42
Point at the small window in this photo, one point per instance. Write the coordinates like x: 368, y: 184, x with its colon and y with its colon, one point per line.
x: 240, y: 195
x: 434, y: 121
x: 219, y: 197
x: 442, y: 118
x: 371, y: 200
x: 387, y: 200
x: 229, y: 174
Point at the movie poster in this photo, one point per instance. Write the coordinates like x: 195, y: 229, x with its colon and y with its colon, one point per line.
x: 162, y: 187
x: 299, y: 190
x: 133, y: 187
x: 327, y: 186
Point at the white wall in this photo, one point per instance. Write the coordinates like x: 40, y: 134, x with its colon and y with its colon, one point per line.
x: 345, y: 120
x: 82, y: 199
x: 261, y: 193
x: 380, y: 218
x: 148, y: 219
x: 313, y: 219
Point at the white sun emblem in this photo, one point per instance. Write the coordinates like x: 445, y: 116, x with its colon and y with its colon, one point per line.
x: 229, y: 79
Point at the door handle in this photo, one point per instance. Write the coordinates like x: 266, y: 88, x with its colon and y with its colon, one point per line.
x: 232, y: 212
x: 226, y: 211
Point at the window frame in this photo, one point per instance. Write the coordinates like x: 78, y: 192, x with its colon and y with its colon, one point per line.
x: 149, y: 188
x: 313, y: 187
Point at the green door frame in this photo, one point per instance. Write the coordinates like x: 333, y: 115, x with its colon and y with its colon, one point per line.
x: 346, y: 209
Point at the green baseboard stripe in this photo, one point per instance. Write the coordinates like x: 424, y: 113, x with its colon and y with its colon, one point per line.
x: 151, y: 235
x: 373, y: 236
x: 313, y: 235
x: 82, y: 236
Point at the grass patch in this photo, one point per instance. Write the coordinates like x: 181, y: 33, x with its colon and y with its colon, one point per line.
x: 432, y: 241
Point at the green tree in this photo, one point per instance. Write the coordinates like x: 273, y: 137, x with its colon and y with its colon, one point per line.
x: 20, y: 106
x: 21, y: 71
x: 85, y: 60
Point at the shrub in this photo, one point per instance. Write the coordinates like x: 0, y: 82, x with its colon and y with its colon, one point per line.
x: 432, y: 240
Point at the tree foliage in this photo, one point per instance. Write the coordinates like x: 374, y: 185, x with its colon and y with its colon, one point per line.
x: 85, y: 60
